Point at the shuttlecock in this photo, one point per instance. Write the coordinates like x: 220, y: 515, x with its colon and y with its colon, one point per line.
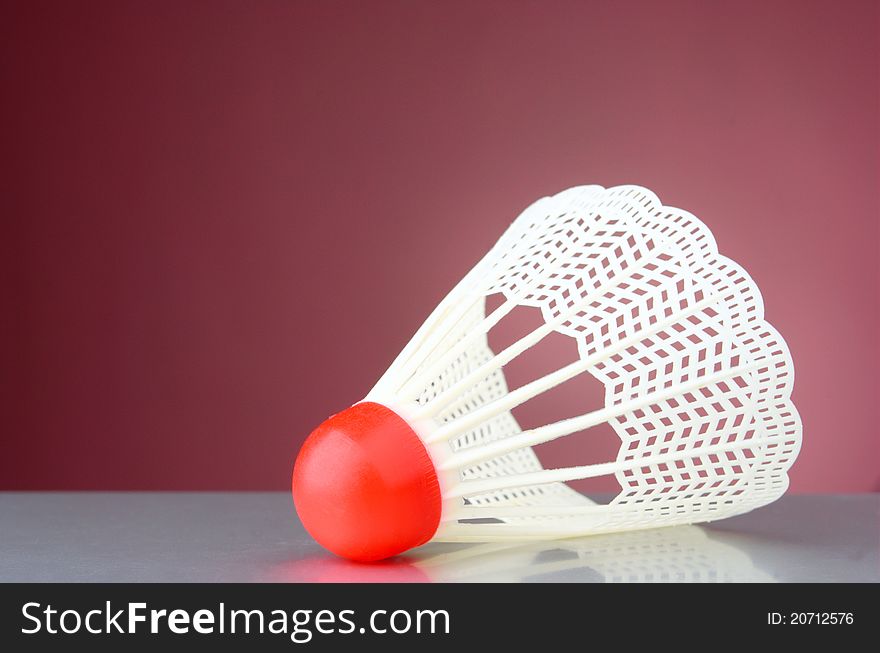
x: 697, y: 388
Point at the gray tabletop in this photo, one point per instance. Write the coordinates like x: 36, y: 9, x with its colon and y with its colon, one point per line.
x: 118, y: 537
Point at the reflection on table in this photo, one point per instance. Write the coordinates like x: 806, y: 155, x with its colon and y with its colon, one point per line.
x: 685, y: 554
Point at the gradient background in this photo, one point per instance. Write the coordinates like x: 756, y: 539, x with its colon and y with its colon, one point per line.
x: 221, y: 220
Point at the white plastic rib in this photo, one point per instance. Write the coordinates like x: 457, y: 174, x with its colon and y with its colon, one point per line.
x: 469, y: 488
x: 470, y: 457
x: 529, y: 340
x: 411, y: 390
x: 516, y: 397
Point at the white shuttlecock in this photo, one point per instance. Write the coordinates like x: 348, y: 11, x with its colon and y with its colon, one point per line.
x: 697, y: 388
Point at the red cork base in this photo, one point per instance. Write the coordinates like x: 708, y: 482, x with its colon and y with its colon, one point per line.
x: 364, y: 485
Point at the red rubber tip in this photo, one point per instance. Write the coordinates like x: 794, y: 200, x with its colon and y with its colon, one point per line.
x: 364, y: 485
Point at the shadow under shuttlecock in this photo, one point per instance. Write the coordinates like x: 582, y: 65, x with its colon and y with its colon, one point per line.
x: 680, y: 554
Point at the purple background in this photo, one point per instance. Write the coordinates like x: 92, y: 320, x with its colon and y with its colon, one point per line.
x: 221, y: 220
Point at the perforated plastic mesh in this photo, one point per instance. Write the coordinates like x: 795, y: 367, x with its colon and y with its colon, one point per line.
x: 501, y: 426
x: 697, y: 383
